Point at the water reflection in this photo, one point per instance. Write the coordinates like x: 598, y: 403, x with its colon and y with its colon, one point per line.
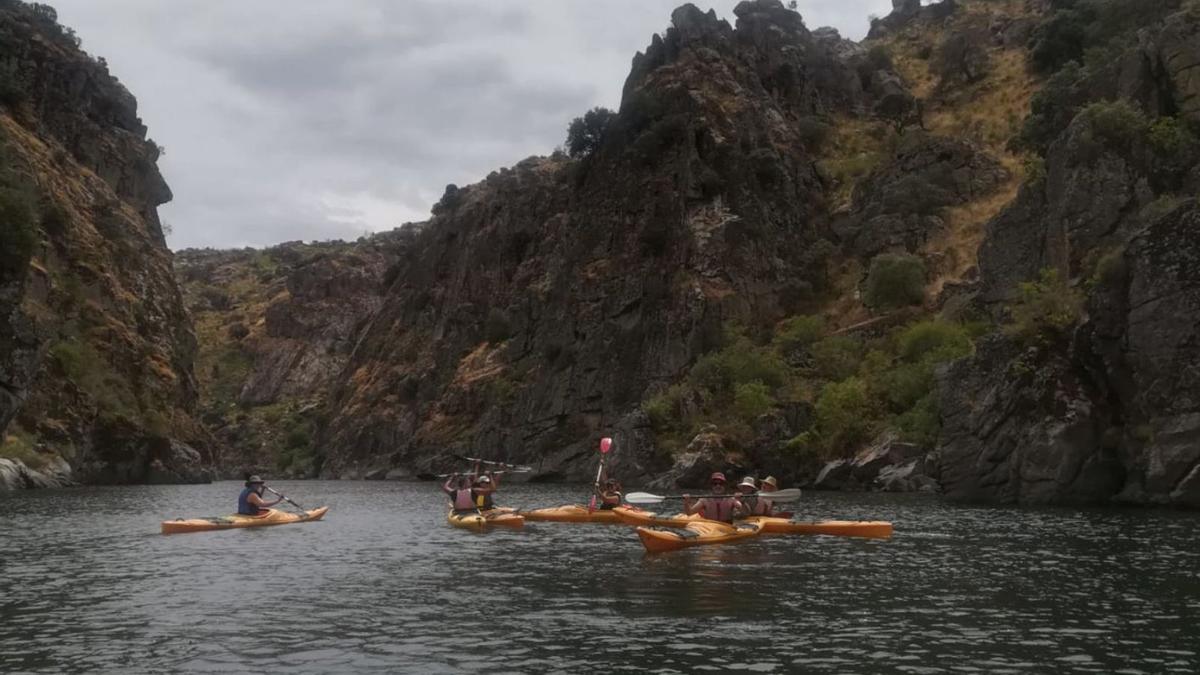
x: 384, y: 585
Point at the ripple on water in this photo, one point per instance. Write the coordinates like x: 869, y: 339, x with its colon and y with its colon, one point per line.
x: 383, y: 585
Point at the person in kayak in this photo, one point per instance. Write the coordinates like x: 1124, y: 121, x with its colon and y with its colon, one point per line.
x: 462, y: 496
x: 718, y: 506
x: 752, y: 503
x: 609, y: 494
x: 485, y: 487
x: 250, y: 502
x: 769, y: 484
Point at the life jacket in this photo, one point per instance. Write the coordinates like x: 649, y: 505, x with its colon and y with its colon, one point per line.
x: 245, y: 508
x: 484, y: 501
x: 464, y: 499
x: 610, y: 500
x: 762, y: 506
x: 718, y: 508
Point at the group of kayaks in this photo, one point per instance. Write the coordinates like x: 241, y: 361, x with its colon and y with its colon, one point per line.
x: 660, y: 533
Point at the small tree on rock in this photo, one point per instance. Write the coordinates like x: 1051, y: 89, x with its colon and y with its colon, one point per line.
x: 585, y: 134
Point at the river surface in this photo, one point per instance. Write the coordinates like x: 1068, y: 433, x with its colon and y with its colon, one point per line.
x: 87, y: 584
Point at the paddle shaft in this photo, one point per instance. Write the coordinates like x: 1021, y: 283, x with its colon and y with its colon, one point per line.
x: 476, y: 460
x: 284, y: 498
x: 788, y: 495
x: 605, y: 444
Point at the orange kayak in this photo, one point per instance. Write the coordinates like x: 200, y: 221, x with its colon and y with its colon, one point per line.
x: 271, y: 517
x: 486, y: 520
x: 634, y: 516
x: 698, y: 533
x: 874, y: 529
x: 572, y: 513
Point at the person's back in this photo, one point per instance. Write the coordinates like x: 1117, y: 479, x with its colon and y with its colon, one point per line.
x: 245, y: 508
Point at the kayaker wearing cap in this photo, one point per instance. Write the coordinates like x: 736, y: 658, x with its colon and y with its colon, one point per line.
x: 485, y: 486
x: 609, y: 494
x: 752, y: 504
x: 462, y: 497
x: 717, y: 507
x: 250, y: 502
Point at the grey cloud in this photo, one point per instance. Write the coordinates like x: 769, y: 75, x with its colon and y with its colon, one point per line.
x: 287, y: 120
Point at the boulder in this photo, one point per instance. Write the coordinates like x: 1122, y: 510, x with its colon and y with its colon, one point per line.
x: 834, y: 475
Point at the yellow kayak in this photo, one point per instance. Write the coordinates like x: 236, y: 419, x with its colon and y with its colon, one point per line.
x: 874, y: 529
x: 271, y: 517
x: 485, y: 520
x: 572, y: 513
x: 698, y: 533
x: 635, y: 516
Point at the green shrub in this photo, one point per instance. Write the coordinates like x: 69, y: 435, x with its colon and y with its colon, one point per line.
x: 13, y: 89
x: 813, y: 131
x: 907, y: 384
x: 663, y: 409
x: 836, y: 357
x: 922, y: 423
x: 739, y: 362
x: 1035, y: 169
x: 1118, y: 124
x: 1174, y: 143
x: 895, y: 280
x: 1046, y: 309
x: 586, y: 133
x: 298, y: 438
x: 89, y: 370
x: 21, y: 446
x: 934, y: 342
x: 799, y: 332
x: 752, y: 399
x: 845, y: 415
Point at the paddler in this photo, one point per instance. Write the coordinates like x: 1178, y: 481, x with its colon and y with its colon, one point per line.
x: 462, y: 497
x: 752, y: 503
x: 250, y: 502
x: 609, y: 494
x: 717, y: 506
x: 485, y: 486
x: 769, y: 484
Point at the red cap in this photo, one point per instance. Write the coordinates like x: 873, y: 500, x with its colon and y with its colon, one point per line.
x: 717, y: 476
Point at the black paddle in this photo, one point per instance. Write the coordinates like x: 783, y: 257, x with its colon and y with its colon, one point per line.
x: 285, y: 498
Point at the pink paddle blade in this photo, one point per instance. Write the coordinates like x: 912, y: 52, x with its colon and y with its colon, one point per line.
x: 605, y: 445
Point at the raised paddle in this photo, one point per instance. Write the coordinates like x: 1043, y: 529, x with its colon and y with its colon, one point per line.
x: 285, y: 498
x: 605, y: 446
x: 476, y: 460
x: 494, y: 473
x: 789, y: 495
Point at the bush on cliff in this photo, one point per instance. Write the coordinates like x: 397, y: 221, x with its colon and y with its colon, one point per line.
x: 1047, y: 309
x: 894, y: 281
x: 586, y: 133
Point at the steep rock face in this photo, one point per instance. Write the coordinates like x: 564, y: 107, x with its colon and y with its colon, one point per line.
x: 539, y: 307
x: 1110, y: 413
x: 898, y: 206
x: 278, y: 326
x: 95, y: 345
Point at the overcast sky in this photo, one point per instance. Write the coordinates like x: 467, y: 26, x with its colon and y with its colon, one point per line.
x: 308, y: 119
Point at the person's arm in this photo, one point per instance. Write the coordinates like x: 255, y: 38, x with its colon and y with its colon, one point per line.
x: 495, y: 480
x: 691, y: 506
x: 448, y: 488
x: 258, y: 501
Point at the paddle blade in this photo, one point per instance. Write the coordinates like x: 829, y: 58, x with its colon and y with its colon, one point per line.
x: 643, y: 498
x: 788, y: 495
x: 605, y: 445
x: 592, y: 504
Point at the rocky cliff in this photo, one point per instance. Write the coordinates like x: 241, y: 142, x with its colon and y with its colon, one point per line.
x: 1090, y: 394
x: 96, y: 348
x: 939, y: 257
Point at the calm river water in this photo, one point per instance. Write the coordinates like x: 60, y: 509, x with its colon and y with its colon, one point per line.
x: 384, y: 585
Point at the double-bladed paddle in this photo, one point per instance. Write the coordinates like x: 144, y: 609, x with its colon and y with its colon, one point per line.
x: 789, y: 495
x: 476, y: 460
